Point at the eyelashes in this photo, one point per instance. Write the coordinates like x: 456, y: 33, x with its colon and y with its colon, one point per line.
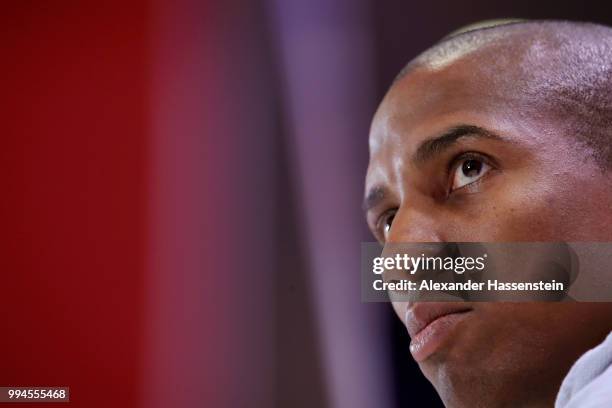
x: 467, y: 168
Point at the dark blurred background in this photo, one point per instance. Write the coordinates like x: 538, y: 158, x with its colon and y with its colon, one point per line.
x: 181, y: 197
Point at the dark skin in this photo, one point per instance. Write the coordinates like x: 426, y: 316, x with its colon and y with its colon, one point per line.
x: 514, y: 176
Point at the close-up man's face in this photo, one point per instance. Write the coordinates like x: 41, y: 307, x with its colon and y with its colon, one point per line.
x: 457, y: 156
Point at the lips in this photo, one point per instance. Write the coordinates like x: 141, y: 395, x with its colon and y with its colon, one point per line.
x: 429, y: 324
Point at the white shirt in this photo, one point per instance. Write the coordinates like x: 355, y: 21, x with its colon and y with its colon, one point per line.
x: 589, y: 382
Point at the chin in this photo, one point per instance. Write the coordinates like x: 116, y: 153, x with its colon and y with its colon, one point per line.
x: 478, y: 370
x: 473, y: 365
x: 456, y: 380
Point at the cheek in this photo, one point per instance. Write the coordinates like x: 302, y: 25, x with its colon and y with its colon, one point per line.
x: 507, y: 340
x: 513, y: 210
x: 524, y: 336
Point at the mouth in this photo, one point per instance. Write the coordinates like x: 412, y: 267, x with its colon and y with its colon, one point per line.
x: 430, y: 324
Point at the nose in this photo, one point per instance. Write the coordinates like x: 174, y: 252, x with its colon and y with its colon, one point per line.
x: 415, y: 225
x: 418, y: 233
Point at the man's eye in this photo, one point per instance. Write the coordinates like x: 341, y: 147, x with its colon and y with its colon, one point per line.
x: 468, y: 171
x: 384, y: 224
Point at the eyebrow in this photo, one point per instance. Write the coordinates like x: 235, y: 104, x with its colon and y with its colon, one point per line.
x: 427, y: 150
x: 437, y: 145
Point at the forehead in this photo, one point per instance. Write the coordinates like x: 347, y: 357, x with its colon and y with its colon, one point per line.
x: 419, y: 100
x: 468, y: 89
x: 460, y: 81
x: 425, y: 101
x: 473, y: 73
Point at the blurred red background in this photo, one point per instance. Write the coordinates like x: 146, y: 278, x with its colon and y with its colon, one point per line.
x: 74, y: 161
